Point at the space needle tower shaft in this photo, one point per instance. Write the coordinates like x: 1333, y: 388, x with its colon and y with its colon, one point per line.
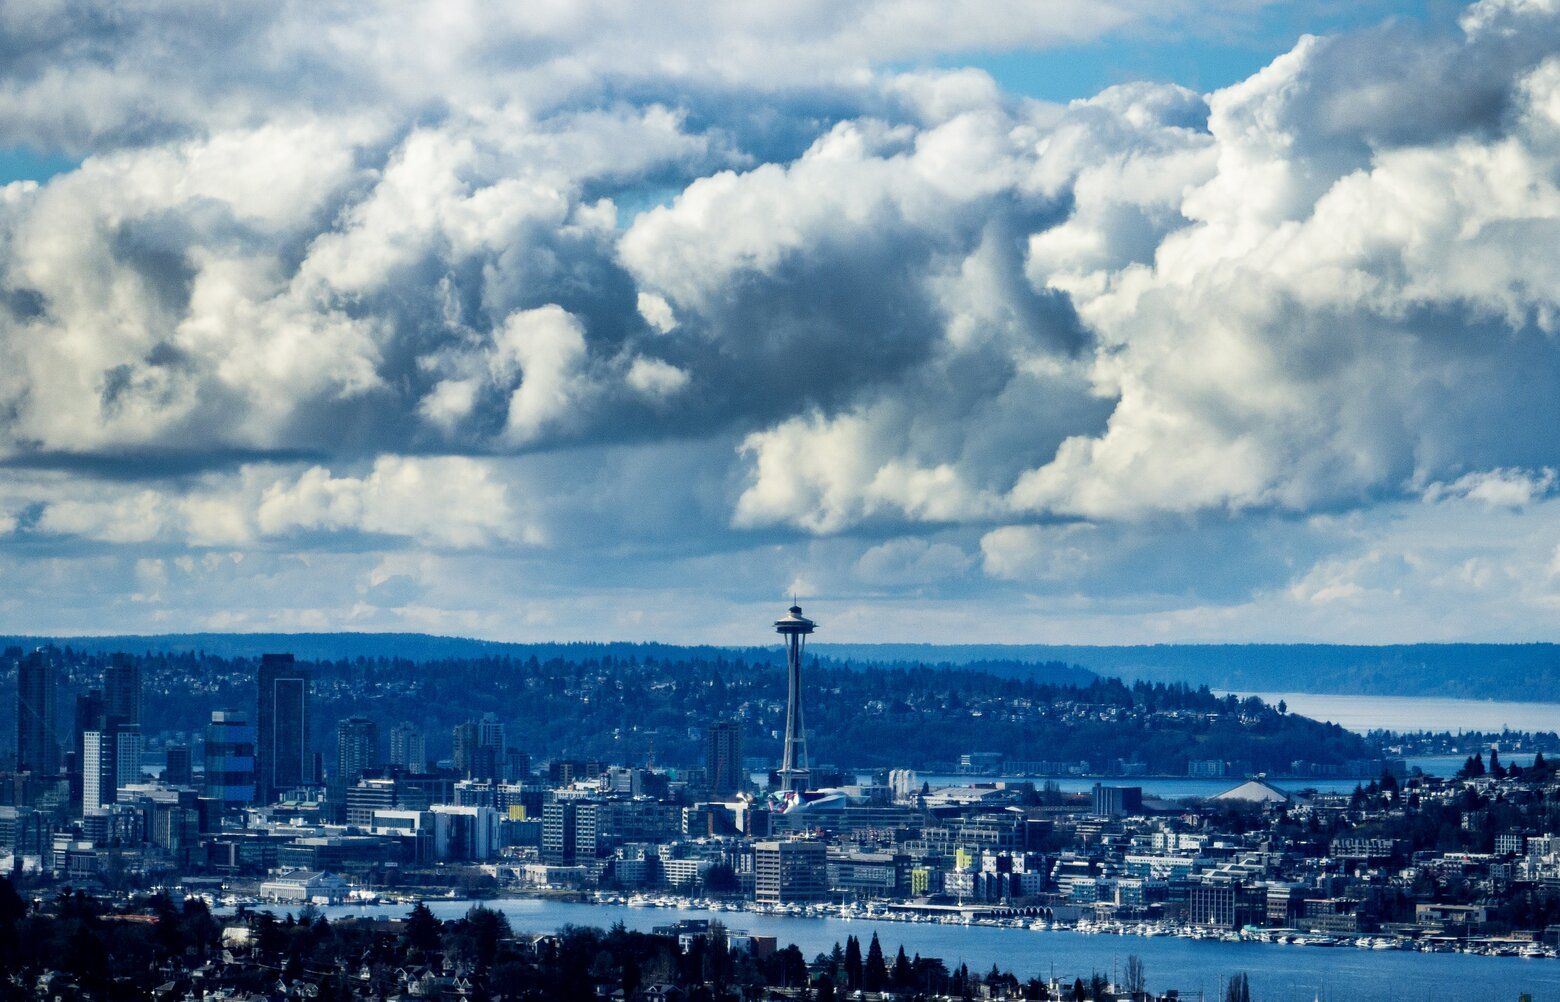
x: 794, y: 774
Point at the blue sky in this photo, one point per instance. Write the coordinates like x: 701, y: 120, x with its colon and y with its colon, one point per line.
x: 23, y: 164
x: 1204, y: 57
x: 611, y: 325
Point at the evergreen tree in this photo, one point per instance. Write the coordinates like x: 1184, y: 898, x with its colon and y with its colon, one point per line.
x: 422, y: 929
x: 901, y: 978
x: 852, y: 964
x: 875, y: 977
x: 1238, y: 989
x: 1496, y: 769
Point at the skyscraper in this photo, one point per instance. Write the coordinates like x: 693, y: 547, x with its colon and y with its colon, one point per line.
x: 723, y: 758
x: 90, y: 716
x: 491, y: 734
x: 357, y: 748
x: 37, y: 746
x: 230, y: 758
x: 794, y: 774
x: 178, y: 771
x: 122, y: 689
x: 408, y: 747
x: 282, y: 759
x: 99, y: 775
x: 111, y: 758
x: 470, y: 756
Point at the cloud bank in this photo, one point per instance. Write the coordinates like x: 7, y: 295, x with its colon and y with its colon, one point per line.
x: 538, y: 325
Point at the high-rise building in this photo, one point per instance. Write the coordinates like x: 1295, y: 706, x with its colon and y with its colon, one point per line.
x: 90, y: 716
x: 122, y: 689
x: 98, y: 772
x: 723, y: 758
x: 478, y: 748
x: 111, y: 758
x: 465, y: 740
x: 408, y: 748
x: 491, y: 735
x: 357, y: 748
x: 282, y: 757
x: 792, y: 870
x: 230, y: 758
x: 37, y: 746
x: 794, y: 774
x: 129, y: 747
x: 571, y: 831
x: 178, y: 770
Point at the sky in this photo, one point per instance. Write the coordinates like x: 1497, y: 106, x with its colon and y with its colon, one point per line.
x: 1083, y: 321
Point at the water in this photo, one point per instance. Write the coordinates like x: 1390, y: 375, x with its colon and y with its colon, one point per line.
x: 1164, y: 788
x: 1418, y: 713
x: 1278, y: 973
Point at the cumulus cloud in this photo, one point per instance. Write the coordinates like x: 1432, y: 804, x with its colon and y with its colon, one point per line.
x: 676, y: 286
x: 453, y: 502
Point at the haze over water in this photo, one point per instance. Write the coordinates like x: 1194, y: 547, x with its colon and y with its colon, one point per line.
x: 1417, y: 713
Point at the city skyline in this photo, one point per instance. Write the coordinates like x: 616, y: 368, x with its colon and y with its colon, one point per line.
x: 1010, y: 321
x: 1036, y: 798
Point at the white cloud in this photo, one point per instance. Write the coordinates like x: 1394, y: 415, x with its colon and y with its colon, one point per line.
x: 911, y: 561
x: 1506, y: 488
x: 655, y: 378
x: 657, y: 312
x: 659, y: 285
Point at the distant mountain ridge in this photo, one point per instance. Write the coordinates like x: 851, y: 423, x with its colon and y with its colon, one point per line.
x: 1525, y: 672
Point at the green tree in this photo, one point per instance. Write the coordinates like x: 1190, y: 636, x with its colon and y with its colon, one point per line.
x: 422, y: 929
x: 875, y: 977
x: 902, y: 977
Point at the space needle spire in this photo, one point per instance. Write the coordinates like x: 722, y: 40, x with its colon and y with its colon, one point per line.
x: 794, y: 627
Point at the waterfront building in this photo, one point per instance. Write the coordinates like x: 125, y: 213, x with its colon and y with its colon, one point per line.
x: 306, y: 886
x: 790, y: 871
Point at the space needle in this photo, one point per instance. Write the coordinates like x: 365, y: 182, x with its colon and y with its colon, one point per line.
x: 794, y: 627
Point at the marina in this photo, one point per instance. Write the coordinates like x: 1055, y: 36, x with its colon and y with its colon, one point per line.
x: 1279, y: 971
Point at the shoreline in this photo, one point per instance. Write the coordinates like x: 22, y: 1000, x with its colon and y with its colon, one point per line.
x: 1493, y: 947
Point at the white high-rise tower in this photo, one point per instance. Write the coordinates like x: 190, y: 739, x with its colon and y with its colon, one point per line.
x: 794, y: 773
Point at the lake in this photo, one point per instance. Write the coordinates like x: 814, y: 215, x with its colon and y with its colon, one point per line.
x: 1278, y: 973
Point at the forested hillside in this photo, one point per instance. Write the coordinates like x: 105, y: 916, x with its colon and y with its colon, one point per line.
x: 627, y: 709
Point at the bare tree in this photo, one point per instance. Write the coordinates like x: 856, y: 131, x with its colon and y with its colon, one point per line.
x: 1137, y: 979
